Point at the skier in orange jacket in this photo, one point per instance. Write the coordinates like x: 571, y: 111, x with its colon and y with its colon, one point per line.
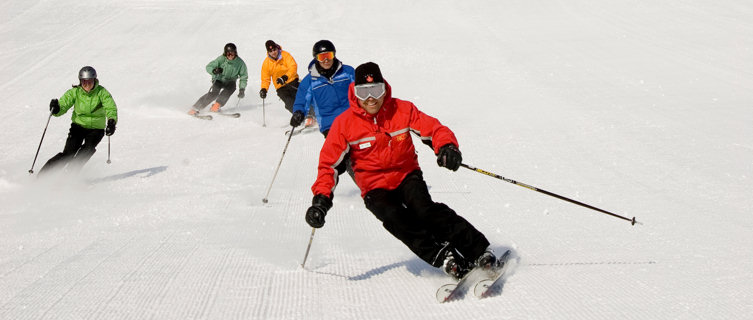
x: 279, y: 66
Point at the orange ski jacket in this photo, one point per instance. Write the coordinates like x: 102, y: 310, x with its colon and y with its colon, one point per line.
x: 275, y: 68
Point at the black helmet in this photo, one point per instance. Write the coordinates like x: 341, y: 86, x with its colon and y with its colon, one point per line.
x: 87, y: 73
x: 230, y: 47
x: 271, y: 45
x: 323, y: 46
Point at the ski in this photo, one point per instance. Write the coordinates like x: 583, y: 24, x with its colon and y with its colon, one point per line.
x: 476, y: 279
x: 232, y: 115
x: 209, y: 117
x: 488, y: 287
x: 201, y: 116
x: 456, y: 291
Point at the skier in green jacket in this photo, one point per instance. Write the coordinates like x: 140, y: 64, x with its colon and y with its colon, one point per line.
x: 94, y: 115
x: 224, y: 70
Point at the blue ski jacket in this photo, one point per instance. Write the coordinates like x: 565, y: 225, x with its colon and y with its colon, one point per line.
x: 328, y: 97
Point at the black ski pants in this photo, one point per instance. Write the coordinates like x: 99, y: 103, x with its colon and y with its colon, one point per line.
x: 79, y: 147
x: 423, y: 225
x: 287, y: 94
x: 219, y: 92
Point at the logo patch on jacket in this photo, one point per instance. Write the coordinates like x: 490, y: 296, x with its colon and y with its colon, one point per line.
x: 401, y: 137
x: 364, y: 145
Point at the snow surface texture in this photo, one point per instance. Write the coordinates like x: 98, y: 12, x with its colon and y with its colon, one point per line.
x: 643, y: 108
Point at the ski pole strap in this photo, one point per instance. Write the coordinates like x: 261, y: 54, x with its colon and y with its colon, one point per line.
x: 632, y: 221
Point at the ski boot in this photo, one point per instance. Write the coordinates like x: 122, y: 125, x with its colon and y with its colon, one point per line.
x: 310, y: 121
x: 452, y: 267
x: 486, y: 260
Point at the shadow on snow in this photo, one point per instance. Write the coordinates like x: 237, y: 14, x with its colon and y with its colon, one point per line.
x: 149, y: 172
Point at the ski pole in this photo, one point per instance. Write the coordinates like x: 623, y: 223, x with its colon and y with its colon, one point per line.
x: 108, y: 150
x: 237, y: 104
x: 31, y: 171
x: 311, y: 239
x: 263, y: 114
x: 632, y: 221
x: 108, y: 142
x: 265, y: 200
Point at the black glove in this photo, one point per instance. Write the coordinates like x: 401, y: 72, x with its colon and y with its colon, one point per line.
x: 263, y: 93
x: 110, y: 129
x: 54, y: 106
x: 319, y: 206
x: 281, y: 80
x: 217, y: 70
x: 242, y: 93
x: 449, y: 157
x: 297, y: 118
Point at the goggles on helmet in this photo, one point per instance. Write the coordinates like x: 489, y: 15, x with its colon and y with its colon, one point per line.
x: 329, y: 55
x: 374, y: 90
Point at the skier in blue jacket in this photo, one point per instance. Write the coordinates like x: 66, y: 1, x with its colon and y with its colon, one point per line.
x: 325, y: 88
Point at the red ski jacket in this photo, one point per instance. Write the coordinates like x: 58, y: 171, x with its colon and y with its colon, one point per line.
x: 380, y: 146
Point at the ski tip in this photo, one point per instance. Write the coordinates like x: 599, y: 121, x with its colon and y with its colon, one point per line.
x: 445, y: 292
x: 481, y: 289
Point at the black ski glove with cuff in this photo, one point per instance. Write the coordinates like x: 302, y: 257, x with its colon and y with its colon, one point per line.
x: 242, y: 93
x: 320, y: 204
x: 110, y: 129
x: 217, y: 70
x: 281, y: 80
x: 297, y: 118
x: 263, y: 93
x: 449, y: 157
x: 54, y: 106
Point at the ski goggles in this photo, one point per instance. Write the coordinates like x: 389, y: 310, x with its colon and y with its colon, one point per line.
x: 329, y: 55
x: 374, y: 90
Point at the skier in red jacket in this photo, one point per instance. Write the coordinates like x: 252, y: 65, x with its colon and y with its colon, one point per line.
x: 375, y: 133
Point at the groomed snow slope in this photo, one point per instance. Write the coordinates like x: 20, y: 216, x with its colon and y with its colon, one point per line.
x: 642, y: 108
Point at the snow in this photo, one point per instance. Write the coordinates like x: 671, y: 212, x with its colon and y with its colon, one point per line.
x: 640, y: 107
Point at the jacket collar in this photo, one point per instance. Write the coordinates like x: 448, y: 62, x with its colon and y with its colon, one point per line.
x: 315, y: 72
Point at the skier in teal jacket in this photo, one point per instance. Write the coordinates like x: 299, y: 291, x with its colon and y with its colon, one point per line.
x: 94, y: 115
x: 224, y: 70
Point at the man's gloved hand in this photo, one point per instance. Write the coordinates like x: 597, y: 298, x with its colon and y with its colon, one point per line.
x: 297, y: 118
x: 242, y: 93
x: 281, y: 80
x: 54, y: 106
x: 110, y: 129
x: 449, y: 157
x: 217, y: 70
x: 320, y: 204
x: 263, y: 93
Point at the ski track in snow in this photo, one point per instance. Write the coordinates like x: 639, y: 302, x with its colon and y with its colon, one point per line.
x: 636, y: 107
